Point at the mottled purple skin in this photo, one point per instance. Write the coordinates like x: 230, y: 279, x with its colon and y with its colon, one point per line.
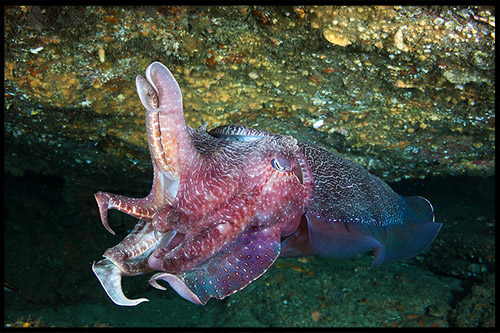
x: 225, y: 204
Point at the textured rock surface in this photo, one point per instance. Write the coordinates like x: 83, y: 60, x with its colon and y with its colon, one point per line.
x: 410, y: 94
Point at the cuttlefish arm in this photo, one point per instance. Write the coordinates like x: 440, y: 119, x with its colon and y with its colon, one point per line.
x: 110, y: 277
x: 171, y: 150
x: 129, y: 257
x: 169, y: 143
x: 169, y: 140
x: 229, y: 271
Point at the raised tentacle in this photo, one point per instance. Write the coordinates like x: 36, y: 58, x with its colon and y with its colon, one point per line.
x: 170, y: 142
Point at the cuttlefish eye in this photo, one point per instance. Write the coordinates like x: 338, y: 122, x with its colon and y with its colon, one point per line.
x: 281, y: 164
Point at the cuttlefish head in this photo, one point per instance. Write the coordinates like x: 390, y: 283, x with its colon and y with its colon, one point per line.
x: 218, y: 207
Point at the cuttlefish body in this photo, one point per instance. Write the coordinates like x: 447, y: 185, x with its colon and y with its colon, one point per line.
x: 226, y: 203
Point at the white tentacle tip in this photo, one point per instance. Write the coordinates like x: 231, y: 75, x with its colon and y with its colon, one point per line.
x: 110, y: 276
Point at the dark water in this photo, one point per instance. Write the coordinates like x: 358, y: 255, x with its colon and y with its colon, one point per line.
x: 53, y: 234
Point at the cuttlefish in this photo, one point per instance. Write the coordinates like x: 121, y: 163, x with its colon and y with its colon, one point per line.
x: 226, y: 203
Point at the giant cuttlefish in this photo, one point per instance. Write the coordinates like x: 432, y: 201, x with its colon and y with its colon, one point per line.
x: 225, y: 204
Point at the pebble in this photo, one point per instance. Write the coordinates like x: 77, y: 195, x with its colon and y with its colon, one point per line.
x: 102, y: 55
x: 318, y: 124
x: 36, y: 50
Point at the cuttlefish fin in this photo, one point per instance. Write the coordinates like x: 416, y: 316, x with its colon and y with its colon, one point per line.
x: 414, y: 231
